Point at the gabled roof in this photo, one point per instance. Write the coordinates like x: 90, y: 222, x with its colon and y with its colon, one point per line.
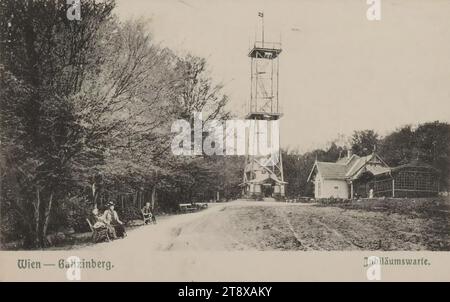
x: 357, y: 164
x: 372, y: 163
x: 350, y: 168
x: 331, y: 170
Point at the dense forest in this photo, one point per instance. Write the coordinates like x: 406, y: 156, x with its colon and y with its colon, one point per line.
x: 86, y: 114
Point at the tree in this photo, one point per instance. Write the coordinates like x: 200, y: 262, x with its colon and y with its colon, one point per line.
x: 364, y: 142
x: 87, y: 107
x: 197, y: 91
x: 45, y: 59
x: 398, y: 147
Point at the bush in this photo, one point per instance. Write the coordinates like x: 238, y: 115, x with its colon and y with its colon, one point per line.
x: 73, y: 213
x: 11, y: 227
x: 332, y: 200
x: 129, y: 213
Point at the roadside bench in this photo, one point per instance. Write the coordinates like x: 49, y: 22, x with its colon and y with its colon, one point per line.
x: 201, y: 206
x: 187, y: 207
x: 191, y: 207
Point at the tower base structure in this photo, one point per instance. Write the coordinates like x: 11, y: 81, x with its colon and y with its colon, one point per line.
x: 261, y: 181
x: 263, y: 175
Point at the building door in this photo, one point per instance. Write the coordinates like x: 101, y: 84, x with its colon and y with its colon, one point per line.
x: 267, y: 190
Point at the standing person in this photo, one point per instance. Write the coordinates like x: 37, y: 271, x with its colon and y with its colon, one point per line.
x: 147, y: 212
x: 112, y: 218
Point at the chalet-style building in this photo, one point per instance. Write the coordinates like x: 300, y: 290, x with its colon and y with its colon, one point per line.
x: 369, y: 176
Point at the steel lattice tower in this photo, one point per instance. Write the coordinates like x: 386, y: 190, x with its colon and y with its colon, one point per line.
x: 263, y: 175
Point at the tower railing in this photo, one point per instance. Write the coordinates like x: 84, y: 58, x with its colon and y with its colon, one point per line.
x: 268, y: 45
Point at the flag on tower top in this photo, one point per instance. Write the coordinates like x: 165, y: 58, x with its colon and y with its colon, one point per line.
x: 260, y: 14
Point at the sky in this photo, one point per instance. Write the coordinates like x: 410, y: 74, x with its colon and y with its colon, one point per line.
x: 339, y: 72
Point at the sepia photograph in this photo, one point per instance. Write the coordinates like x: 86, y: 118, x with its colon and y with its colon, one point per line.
x: 194, y: 140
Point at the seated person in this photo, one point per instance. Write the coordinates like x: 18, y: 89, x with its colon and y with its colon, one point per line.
x: 98, y: 220
x: 111, y: 218
x: 100, y: 223
x: 147, y: 212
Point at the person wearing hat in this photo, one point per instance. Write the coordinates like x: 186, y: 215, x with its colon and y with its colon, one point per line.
x: 112, y: 219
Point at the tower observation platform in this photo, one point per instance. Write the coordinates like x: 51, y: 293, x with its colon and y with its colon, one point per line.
x: 264, y: 81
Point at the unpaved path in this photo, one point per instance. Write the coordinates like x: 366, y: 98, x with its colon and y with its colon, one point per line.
x: 212, y: 229
x: 259, y: 226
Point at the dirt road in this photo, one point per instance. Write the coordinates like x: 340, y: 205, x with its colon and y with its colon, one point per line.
x: 203, y: 230
x: 250, y: 225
